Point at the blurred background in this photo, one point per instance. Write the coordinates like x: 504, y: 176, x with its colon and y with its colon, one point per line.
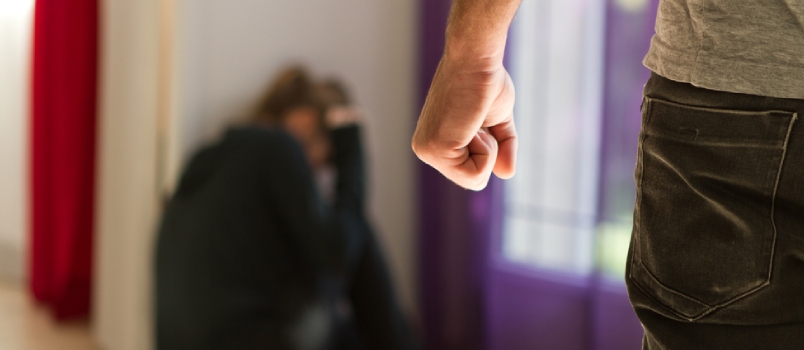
x: 102, y: 103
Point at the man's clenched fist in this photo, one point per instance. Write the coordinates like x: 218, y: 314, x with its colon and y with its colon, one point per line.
x: 466, y: 128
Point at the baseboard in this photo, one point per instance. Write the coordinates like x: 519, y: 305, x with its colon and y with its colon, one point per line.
x: 10, y: 264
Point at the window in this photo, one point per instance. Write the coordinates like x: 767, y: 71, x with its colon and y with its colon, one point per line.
x: 566, y: 210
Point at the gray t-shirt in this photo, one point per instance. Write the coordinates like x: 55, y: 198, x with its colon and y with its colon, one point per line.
x: 744, y: 46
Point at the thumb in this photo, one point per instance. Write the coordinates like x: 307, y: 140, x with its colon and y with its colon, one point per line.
x: 505, y: 135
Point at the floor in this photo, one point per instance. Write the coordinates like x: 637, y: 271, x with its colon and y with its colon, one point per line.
x: 25, y: 326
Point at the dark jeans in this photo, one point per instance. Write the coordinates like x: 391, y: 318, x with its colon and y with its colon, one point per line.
x: 717, y: 251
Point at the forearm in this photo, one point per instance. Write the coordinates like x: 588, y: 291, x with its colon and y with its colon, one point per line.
x: 478, y: 29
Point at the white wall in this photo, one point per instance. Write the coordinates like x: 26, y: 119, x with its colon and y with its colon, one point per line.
x: 229, y: 50
x: 127, y: 188
x: 15, y: 38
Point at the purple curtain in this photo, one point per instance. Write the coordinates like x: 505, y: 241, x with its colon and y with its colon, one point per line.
x: 455, y: 226
x: 628, y: 35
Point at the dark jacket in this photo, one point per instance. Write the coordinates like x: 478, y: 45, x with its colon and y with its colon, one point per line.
x: 250, y: 257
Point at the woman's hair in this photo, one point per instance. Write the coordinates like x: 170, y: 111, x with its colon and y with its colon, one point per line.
x: 293, y: 88
x: 335, y: 92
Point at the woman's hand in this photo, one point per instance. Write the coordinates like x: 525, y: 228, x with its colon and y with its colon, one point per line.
x: 340, y: 116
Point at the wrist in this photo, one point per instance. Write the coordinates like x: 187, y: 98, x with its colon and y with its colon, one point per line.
x: 475, y: 54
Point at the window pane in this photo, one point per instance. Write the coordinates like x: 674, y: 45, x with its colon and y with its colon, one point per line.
x: 552, y: 202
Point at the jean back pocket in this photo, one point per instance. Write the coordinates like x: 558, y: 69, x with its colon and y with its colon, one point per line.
x: 704, y: 231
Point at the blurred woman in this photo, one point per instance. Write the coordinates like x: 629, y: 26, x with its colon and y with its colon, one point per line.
x: 257, y: 250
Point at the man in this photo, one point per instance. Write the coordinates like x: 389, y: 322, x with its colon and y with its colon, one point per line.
x: 717, y: 252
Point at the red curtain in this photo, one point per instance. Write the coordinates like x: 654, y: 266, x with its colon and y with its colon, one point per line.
x: 65, y: 51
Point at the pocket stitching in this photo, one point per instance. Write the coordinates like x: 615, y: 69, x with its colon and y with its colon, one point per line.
x: 741, y: 144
